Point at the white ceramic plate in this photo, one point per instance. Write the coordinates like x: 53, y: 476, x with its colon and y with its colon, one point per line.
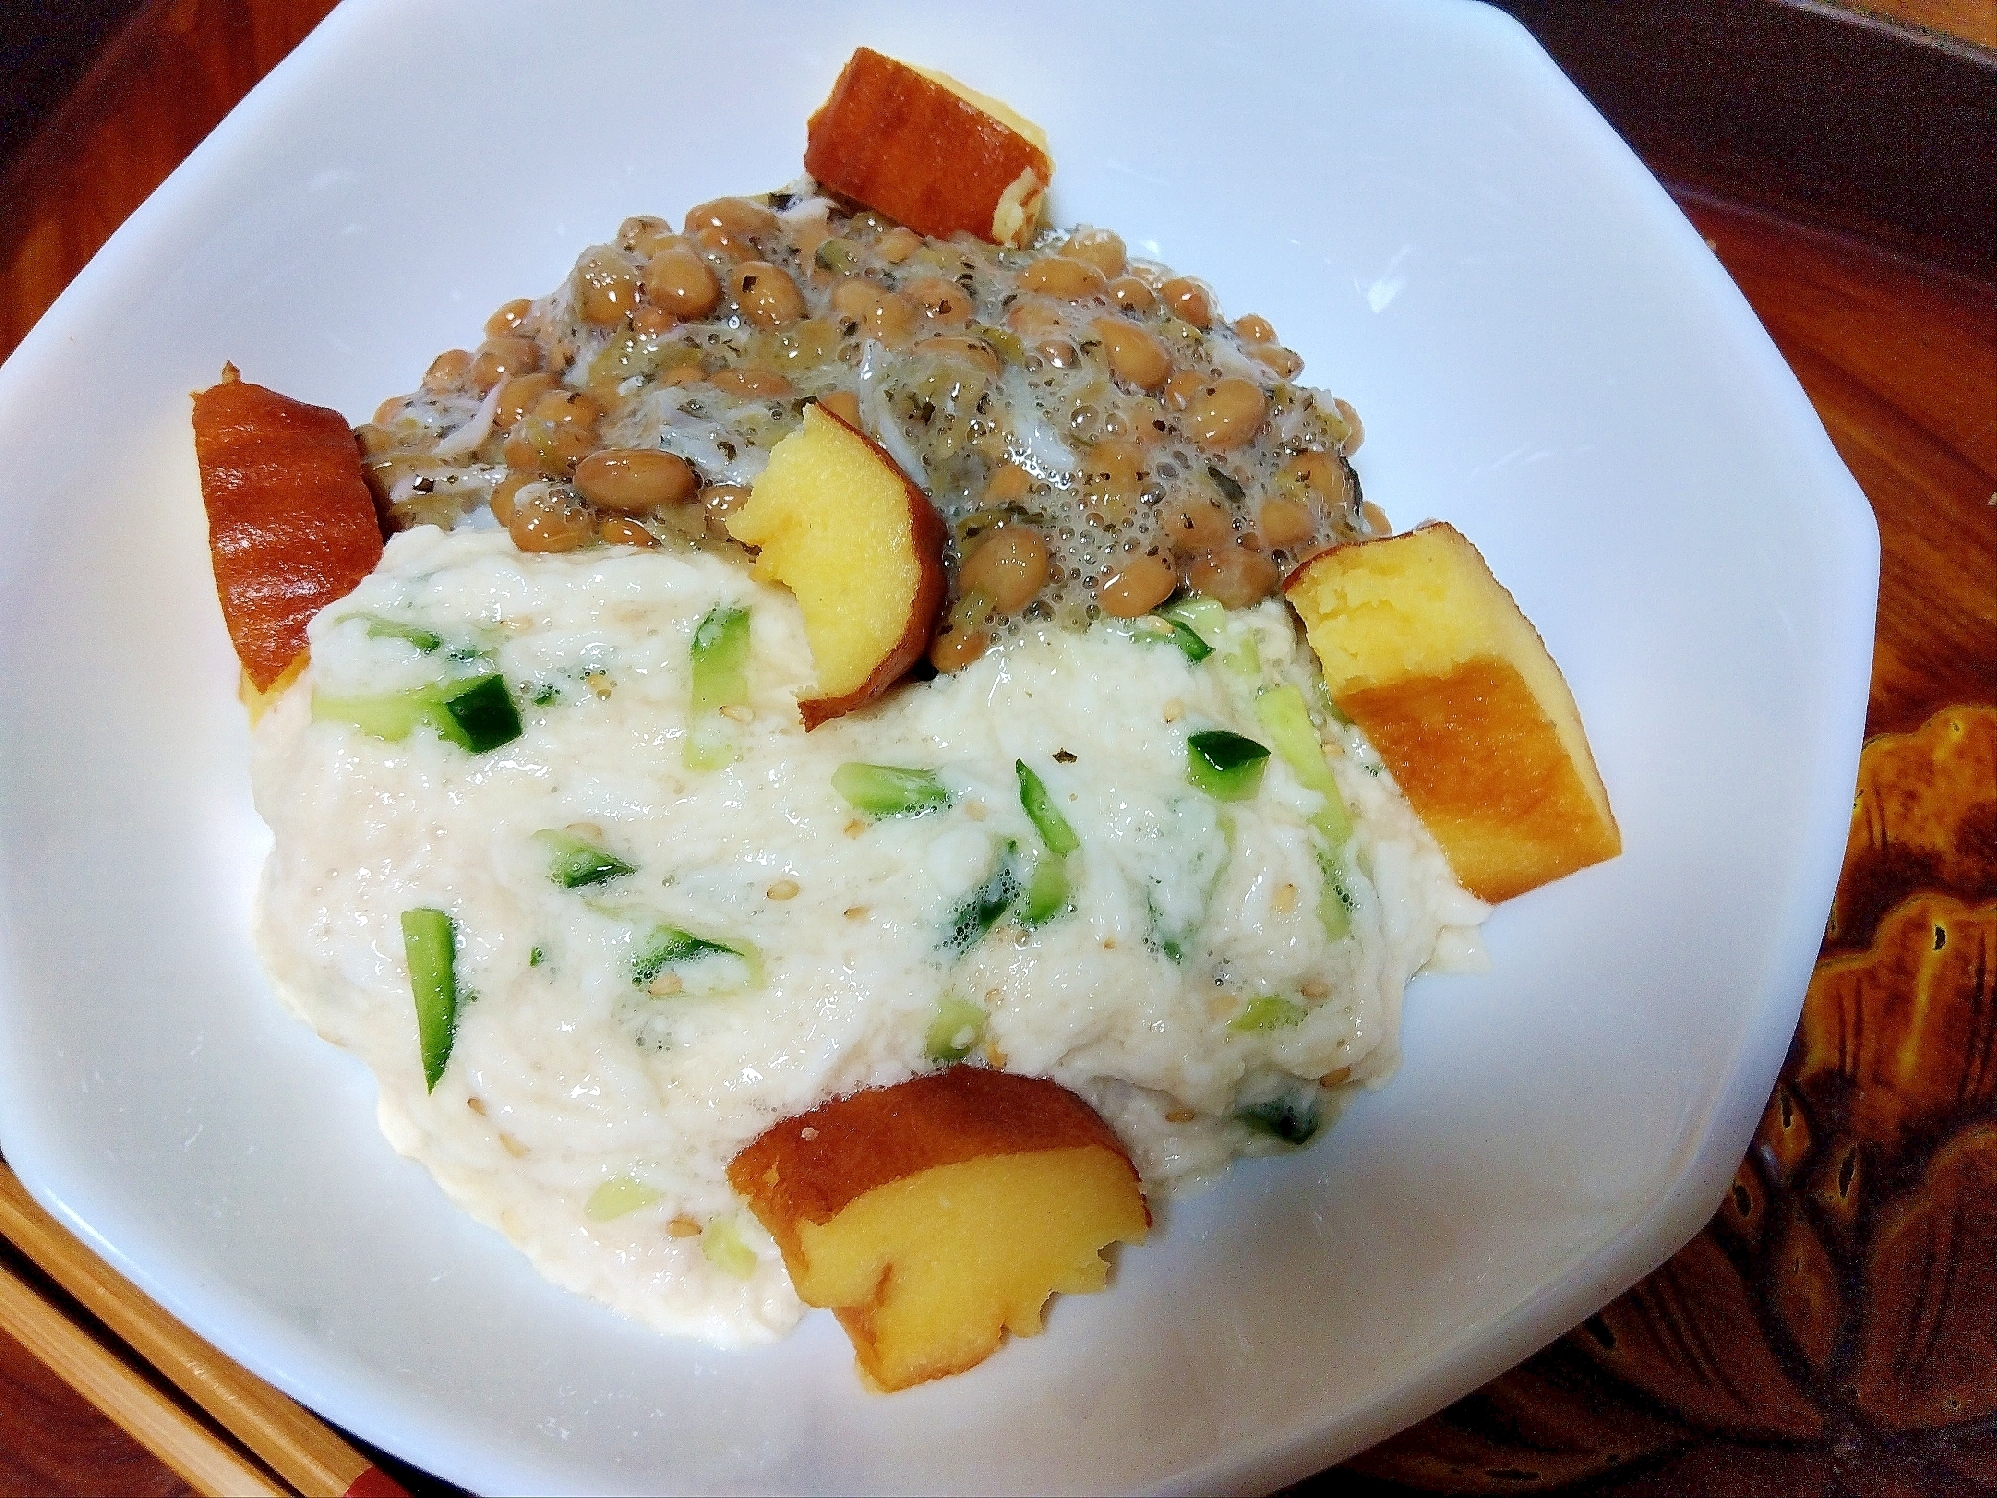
x: 1543, y: 352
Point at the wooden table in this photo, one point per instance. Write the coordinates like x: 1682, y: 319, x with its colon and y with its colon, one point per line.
x: 1834, y: 1329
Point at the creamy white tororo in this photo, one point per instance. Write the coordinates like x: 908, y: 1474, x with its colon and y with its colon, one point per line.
x: 1184, y: 982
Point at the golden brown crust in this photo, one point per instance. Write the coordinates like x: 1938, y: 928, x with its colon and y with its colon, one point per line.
x: 1481, y: 763
x: 894, y: 140
x: 1432, y: 658
x: 261, y: 700
x: 934, y: 1216
x: 291, y: 525
x: 808, y: 1168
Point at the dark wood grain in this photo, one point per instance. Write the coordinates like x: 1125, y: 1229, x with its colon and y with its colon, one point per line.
x: 162, y: 82
x: 1833, y: 116
x: 1900, y: 361
x: 44, y: 62
x: 1972, y: 21
x: 53, y: 1441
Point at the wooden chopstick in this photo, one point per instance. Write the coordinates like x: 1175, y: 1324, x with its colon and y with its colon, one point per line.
x: 203, y: 1459
x: 292, y: 1441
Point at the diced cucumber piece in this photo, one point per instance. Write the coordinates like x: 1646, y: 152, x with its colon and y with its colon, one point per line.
x: 479, y: 714
x: 1322, y: 701
x: 705, y: 965
x: 424, y: 640
x: 617, y: 1196
x: 1286, y: 718
x: 1205, y: 617
x: 1334, y: 901
x: 1226, y: 752
x: 1269, y: 1011
x: 1154, y: 629
x: 719, y: 670
x: 1048, y: 893
x: 990, y: 900
x: 720, y: 659
x: 1162, y: 937
x: 709, y: 745
x: 722, y: 1246
x: 1180, y: 867
x: 430, y: 945
x: 476, y: 714
x: 392, y: 716
x: 1190, y: 644
x: 1040, y: 810
x: 1195, y: 624
x: 955, y: 1032
x: 1225, y: 765
x: 1244, y: 658
x: 668, y: 945
x: 574, y: 862
x: 889, y: 790
x: 1294, y: 1118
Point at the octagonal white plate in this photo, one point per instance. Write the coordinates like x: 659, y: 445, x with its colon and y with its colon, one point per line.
x: 1543, y: 352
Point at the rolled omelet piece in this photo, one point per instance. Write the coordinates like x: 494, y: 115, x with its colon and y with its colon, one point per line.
x: 936, y: 1215
x: 1426, y: 651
